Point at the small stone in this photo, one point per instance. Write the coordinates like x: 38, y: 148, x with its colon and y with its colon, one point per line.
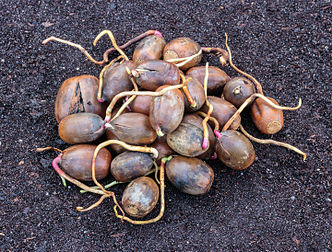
x: 292, y: 198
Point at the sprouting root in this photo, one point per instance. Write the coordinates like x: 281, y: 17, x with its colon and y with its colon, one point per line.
x: 257, y: 84
x: 270, y: 141
x: 205, y: 120
x: 186, y: 92
x: 110, y: 35
x: 129, y: 93
x: 179, y: 62
x: 215, y: 122
x: 251, y: 98
x: 221, y: 53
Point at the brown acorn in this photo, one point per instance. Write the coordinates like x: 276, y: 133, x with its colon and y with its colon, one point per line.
x: 216, y: 80
x: 166, y: 111
x: 237, y: 90
x: 187, y: 140
x: 77, y: 162
x: 222, y: 111
x: 196, y: 91
x: 129, y: 165
x: 150, y: 48
x: 190, y: 175
x: 140, y: 197
x: 141, y: 104
x: 133, y: 128
x: 116, y: 80
x: 81, y: 128
x: 152, y: 74
x: 182, y: 48
x: 235, y: 150
x: 267, y: 119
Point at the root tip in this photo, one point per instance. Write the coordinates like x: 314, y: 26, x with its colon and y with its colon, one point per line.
x: 101, y: 100
x: 158, y: 33
x: 214, y: 156
x: 217, y: 133
x: 205, y: 143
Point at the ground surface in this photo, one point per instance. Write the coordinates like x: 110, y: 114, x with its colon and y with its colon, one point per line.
x: 280, y: 203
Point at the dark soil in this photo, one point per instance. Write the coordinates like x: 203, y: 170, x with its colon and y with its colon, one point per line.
x: 279, y: 204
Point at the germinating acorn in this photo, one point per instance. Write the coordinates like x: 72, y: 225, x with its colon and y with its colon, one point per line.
x: 190, y: 175
x: 235, y: 150
x: 140, y: 197
x: 129, y: 165
x: 150, y: 48
x: 81, y: 128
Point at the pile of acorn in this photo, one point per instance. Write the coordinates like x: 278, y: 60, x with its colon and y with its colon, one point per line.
x: 160, y: 114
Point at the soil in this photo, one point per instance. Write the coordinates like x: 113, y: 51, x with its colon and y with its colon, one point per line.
x: 280, y: 203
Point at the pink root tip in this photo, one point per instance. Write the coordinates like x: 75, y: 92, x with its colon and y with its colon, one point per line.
x: 158, y: 33
x: 55, y: 164
x: 129, y: 108
x: 217, y: 133
x: 205, y: 143
x: 203, y: 49
x: 214, y: 156
x: 100, y: 100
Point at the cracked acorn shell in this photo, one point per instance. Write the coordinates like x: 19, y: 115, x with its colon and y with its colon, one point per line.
x: 76, y: 95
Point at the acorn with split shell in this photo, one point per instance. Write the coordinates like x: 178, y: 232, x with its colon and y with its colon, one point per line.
x: 150, y: 48
x: 132, y: 128
x: 77, y: 162
x: 237, y: 90
x: 81, y: 128
x: 166, y: 111
x: 152, y: 74
x: 140, y: 197
x: 267, y: 119
x: 216, y: 80
x: 181, y: 48
x: 235, y: 150
x: 190, y: 175
x: 116, y: 80
x: 129, y: 165
x: 76, y: 95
